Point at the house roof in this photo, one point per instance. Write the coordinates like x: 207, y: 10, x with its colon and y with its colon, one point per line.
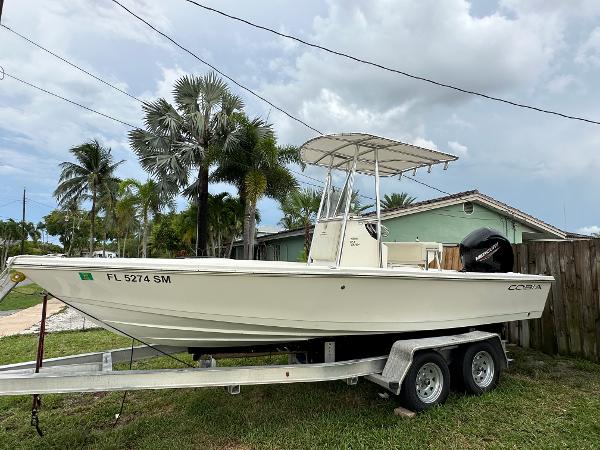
x: 468, y: 196
x: 476, y: 197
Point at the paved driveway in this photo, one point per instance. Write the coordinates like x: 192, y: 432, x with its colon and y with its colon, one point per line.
x: 26, y: 318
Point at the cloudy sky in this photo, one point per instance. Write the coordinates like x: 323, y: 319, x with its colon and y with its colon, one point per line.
x: 541, y: 52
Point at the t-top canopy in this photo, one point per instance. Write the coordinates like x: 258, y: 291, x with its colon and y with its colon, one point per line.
x: 394, y: 157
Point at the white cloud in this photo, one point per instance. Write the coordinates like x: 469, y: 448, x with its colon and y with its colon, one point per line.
x: 589, y: 52
x: 493, y: 54
x: 458, y: 148
x: 589, y: 230
x: 561, y: 83
x: 455, y: 119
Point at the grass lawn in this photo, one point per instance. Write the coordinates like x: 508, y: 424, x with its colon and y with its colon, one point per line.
x: 21, y: 298
x: 541, y: 402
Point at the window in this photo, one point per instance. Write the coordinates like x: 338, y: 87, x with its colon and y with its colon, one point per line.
x: 468, y: 208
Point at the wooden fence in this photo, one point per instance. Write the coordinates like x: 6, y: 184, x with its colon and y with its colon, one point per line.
x: 570, y: 324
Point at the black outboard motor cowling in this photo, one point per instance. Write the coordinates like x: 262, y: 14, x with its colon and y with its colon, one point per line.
x: 486, y: 250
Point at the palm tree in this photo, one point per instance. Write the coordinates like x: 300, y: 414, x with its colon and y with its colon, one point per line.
x: 300, y: 210
x: 396, y: 200
x: 107, y: 203
x: 148, y: 199
x: 126, y: 222
x: 89, y: 178
x: 257, y: 167
x: 181, y: 140
x: 10, y: 230
x: 225, y: 222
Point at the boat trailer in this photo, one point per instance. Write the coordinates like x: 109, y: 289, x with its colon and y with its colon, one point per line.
x: 93, y: 372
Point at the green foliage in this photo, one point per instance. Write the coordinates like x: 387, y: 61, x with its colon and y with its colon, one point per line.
x: 257, y: 166
x: 396, y: 200
x: 91, y: 177
x: 300, y: 209
x: 72, y: 227
x: 147, y: 199
x: 165, y: 239
x: 184, y: 139
x: 11, y: 233
x: 225, y: 223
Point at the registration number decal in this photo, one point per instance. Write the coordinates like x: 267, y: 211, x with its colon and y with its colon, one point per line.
x: 138, y: 278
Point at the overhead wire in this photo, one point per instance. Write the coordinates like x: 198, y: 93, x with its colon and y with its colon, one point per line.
x: 393, y: 70
x: 118, y: 89
x: 70, y: 63
x: 40, y: 203
x: 173, y: 41
x: 108, y: 116
x: 9, y: 203
x: 213, y: 67
x: 134, y: 127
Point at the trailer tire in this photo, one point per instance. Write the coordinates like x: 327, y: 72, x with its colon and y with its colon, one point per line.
x: 427, y: 382
x: 480, y: 368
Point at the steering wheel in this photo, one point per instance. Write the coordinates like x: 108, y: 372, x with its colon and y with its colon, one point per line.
x: 372, y: 229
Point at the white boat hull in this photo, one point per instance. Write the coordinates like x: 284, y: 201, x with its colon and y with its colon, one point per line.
x: 228, y: 303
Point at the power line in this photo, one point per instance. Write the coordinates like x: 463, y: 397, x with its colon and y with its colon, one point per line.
x: 390, y: 69
x: 72, y: 64
x: 135, y: 98
x: 174, y: 42
x: 40, y: 203
x: 133, y: 126
x: 67, y: 100
x: 427, y: 185
x: 9, y: 203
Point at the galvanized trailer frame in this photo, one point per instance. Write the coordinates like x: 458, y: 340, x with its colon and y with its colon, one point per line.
x: 93, y: 372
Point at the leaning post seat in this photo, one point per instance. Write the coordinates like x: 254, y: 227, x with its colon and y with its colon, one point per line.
x: 414, y: 253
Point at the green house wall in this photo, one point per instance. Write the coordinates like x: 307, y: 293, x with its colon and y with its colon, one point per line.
x: 448, y: 225
x: 451, y: 224
x: 290, y: 249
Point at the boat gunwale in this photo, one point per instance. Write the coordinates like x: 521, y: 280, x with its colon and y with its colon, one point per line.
x: 306, y: 271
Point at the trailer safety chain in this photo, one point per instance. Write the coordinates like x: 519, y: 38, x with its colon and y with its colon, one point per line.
x: 37, y: 400
x: 118, y: 415
x: 35, y: 419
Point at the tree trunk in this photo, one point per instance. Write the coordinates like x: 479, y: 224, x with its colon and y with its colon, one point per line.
x: 307, y: 238
x: 124, y: 244
x: 202, y: 215
x: 249, y: 228
x: 145, y: 236
x: 230, y: 247
x: 93, y: 226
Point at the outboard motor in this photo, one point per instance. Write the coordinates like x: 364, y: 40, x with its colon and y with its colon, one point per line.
x: 486, y: 250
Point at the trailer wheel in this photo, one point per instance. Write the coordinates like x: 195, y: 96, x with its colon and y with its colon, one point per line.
x: 427, y: 382
x: 480, y: 368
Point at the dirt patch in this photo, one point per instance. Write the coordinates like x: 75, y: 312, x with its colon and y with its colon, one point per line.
x: 66, y: 320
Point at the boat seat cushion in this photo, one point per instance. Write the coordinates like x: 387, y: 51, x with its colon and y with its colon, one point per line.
x: 412, y: 253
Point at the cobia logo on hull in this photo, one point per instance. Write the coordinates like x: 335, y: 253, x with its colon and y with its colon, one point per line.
x: 524, y: 287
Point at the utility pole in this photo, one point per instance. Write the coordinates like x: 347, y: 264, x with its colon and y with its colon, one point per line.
x: 1, y: 5
x: 23, y: 233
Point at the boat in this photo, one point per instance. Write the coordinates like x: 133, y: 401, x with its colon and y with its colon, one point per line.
x: 353, y: 284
